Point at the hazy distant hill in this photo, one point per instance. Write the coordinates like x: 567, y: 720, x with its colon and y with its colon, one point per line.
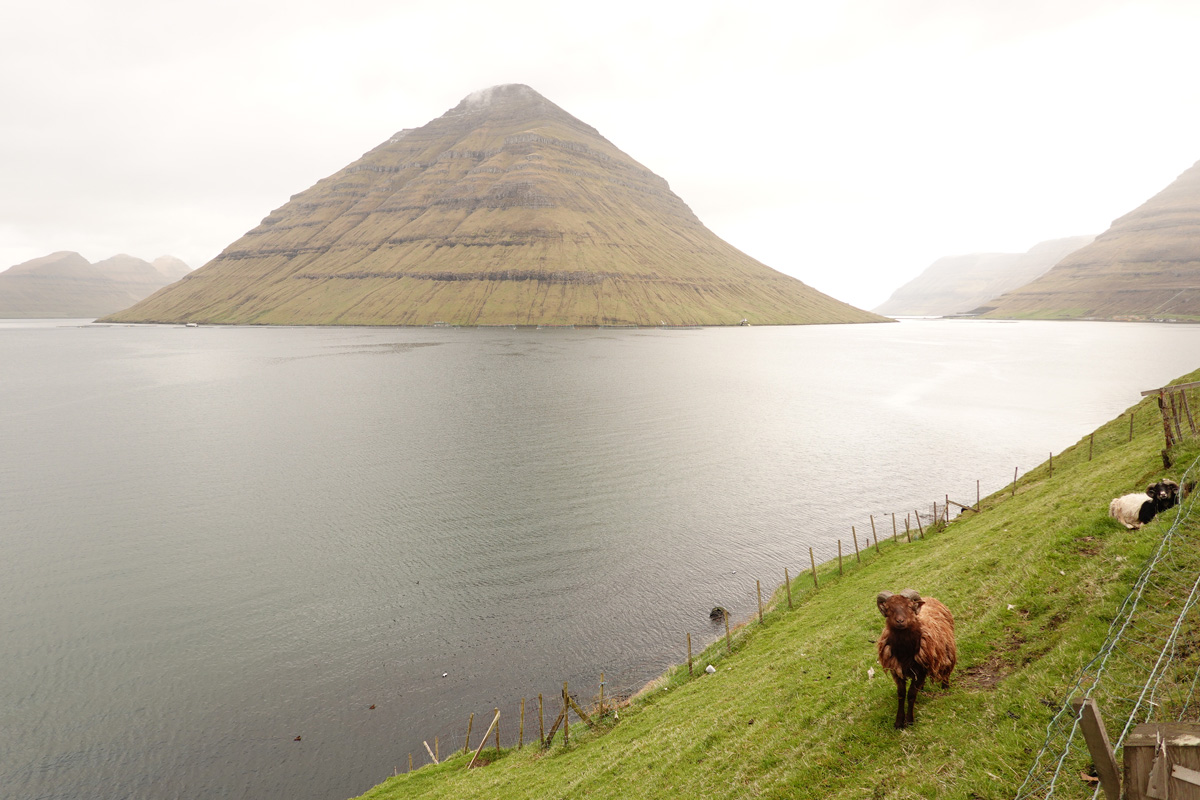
x: 1146, y: 266
x: 504, y: 210
x: 65, y: 284
x: 956, y: 284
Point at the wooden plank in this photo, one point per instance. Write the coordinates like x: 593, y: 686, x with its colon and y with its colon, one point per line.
x: 1175, y: 388
x: 429, y: 750
x: 483, y: 741
x: 1097, y: 743
x: 1142, y: 746
x: 553, y: 728
x: 579, y: 711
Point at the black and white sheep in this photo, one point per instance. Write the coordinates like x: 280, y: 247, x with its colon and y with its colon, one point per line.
x: 917, y: 641
x: 1135, y: 510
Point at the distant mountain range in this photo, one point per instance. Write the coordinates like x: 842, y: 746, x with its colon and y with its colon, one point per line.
x: 1146, y: 266
x: 505, y: 210
x: 958, y: 284
x: 67, y: 285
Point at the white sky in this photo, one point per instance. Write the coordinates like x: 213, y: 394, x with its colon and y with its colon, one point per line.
x: 849, y: 144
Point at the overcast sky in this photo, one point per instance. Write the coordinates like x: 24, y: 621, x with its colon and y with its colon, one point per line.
x: 849, y: 144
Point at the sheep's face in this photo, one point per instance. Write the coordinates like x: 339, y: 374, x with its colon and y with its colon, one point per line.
x: 1165, y: 494
x: 899, y: 610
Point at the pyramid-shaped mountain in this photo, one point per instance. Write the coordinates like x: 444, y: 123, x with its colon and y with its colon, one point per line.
x: 504, y: 210
x: 1146, y: 266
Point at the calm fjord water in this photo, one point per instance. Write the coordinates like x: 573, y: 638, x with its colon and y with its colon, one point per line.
x: 215, y: 540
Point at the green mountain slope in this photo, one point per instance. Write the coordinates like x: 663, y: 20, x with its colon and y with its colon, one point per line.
x: 1033, y: 581
x: 505, y: 210
x: 1145, y: 266
x: 957, y: 284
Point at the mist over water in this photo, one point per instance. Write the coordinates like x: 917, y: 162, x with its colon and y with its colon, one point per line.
x: 218, y: 539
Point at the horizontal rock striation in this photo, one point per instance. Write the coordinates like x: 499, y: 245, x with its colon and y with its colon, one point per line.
x: 1146, y: 266
x: 504, y: 210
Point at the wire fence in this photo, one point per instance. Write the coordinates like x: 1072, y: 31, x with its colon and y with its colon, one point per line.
x: 1147, y: 670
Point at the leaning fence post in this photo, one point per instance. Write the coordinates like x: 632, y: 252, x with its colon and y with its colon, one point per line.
x: 467, y: 743
x: 1014, y: 491
x: 920, y: 527
x: 839, y: 556
x: 907, y: 529
x: 758, y: 588
x: 1098, y: 747
x: 728, y: 645
x: 854, y: 533
x: 689, y: 654
x: 813, y: 561
x: 874, y: 535
x: 1131, y: 426
x: 787, y: 582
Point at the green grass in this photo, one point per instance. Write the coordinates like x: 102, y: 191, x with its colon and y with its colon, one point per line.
x: 1033, y: 581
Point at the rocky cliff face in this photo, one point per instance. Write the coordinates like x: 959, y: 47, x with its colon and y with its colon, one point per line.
x: 1146, y: 266
x: 504, y: 210
x: 67, y: 285
x: 958, y: 284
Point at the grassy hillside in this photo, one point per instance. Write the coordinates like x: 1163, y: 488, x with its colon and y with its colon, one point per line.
x: 1034, y: 581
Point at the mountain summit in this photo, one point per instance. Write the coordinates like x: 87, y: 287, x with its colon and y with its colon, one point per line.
x: 504, y: 210
x: 1146, y: 266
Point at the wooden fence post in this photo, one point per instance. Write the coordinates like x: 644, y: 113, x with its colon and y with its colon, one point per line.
x: 483, y: 741
x: 601, y: 712
x: 541, y: 723
x: 467, y: 743
x: 895, y: 533
x: 521, y: 734
x: 976, y: 496
x: 689, y: 654
x: 437, y: 753
x: 497, y: 732
x: 758, y: 588
x: 1098, y: 747
x: 430, y: 751
x: 907, y: 529
x: 947, y: 509
x: 1091, y: 443
x: 839, y: 556
x: 920, y: 527
x: 1131, y: 413
x: 874, y: 535
x: 1014, y: 491
x: 854, y: 533
x: 787, y: 581
x: 410, y: 762
x: 566, y: 716
x: 813, y: 561
x: 1052, y: 465
x: 728, y: 645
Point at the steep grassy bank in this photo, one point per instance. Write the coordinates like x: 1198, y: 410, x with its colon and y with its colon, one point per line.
x: 1034, y: 581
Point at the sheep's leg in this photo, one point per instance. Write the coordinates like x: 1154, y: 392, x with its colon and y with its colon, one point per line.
x: 917, y: 685
x: 900, y: 687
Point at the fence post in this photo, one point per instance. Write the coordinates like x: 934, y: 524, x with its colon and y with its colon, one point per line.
x: 521, y: 734
x: 1091, y: 442
x: 976, y: 496
x: 874, y: 535
x: 758, y: 588
x: 601, y: 714
x: 410, y: 762
x: 839, y: 556
x: 1014, y: 491
x: 1052, y: 465
x: 787, y: 581
x: 467, y: 743
x: 497, y: 732
x: 920, y: 527
x: 907, y: 529
x: 895, y: 533
x: 566, y: 716
x: 1131, y: 413
x: 1098, y: 747
x: 813, y: 561
x: 857, y: 557
x: 541, y: 723
x: 728, y: 645
x: 689, y: 654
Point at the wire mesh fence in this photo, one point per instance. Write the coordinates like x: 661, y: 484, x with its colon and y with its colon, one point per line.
x: 1147, y: 670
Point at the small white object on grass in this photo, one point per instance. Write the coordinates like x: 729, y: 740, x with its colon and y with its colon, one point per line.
x: 710, y: 669
x: 871, y: 673
x: 444, y: 674
x: 1011, y: 606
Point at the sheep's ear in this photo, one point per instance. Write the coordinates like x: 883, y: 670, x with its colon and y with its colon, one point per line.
x: 880, y: 599
x: 1150, y: 489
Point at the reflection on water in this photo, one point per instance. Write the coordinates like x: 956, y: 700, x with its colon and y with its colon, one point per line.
x: 219, y: 539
